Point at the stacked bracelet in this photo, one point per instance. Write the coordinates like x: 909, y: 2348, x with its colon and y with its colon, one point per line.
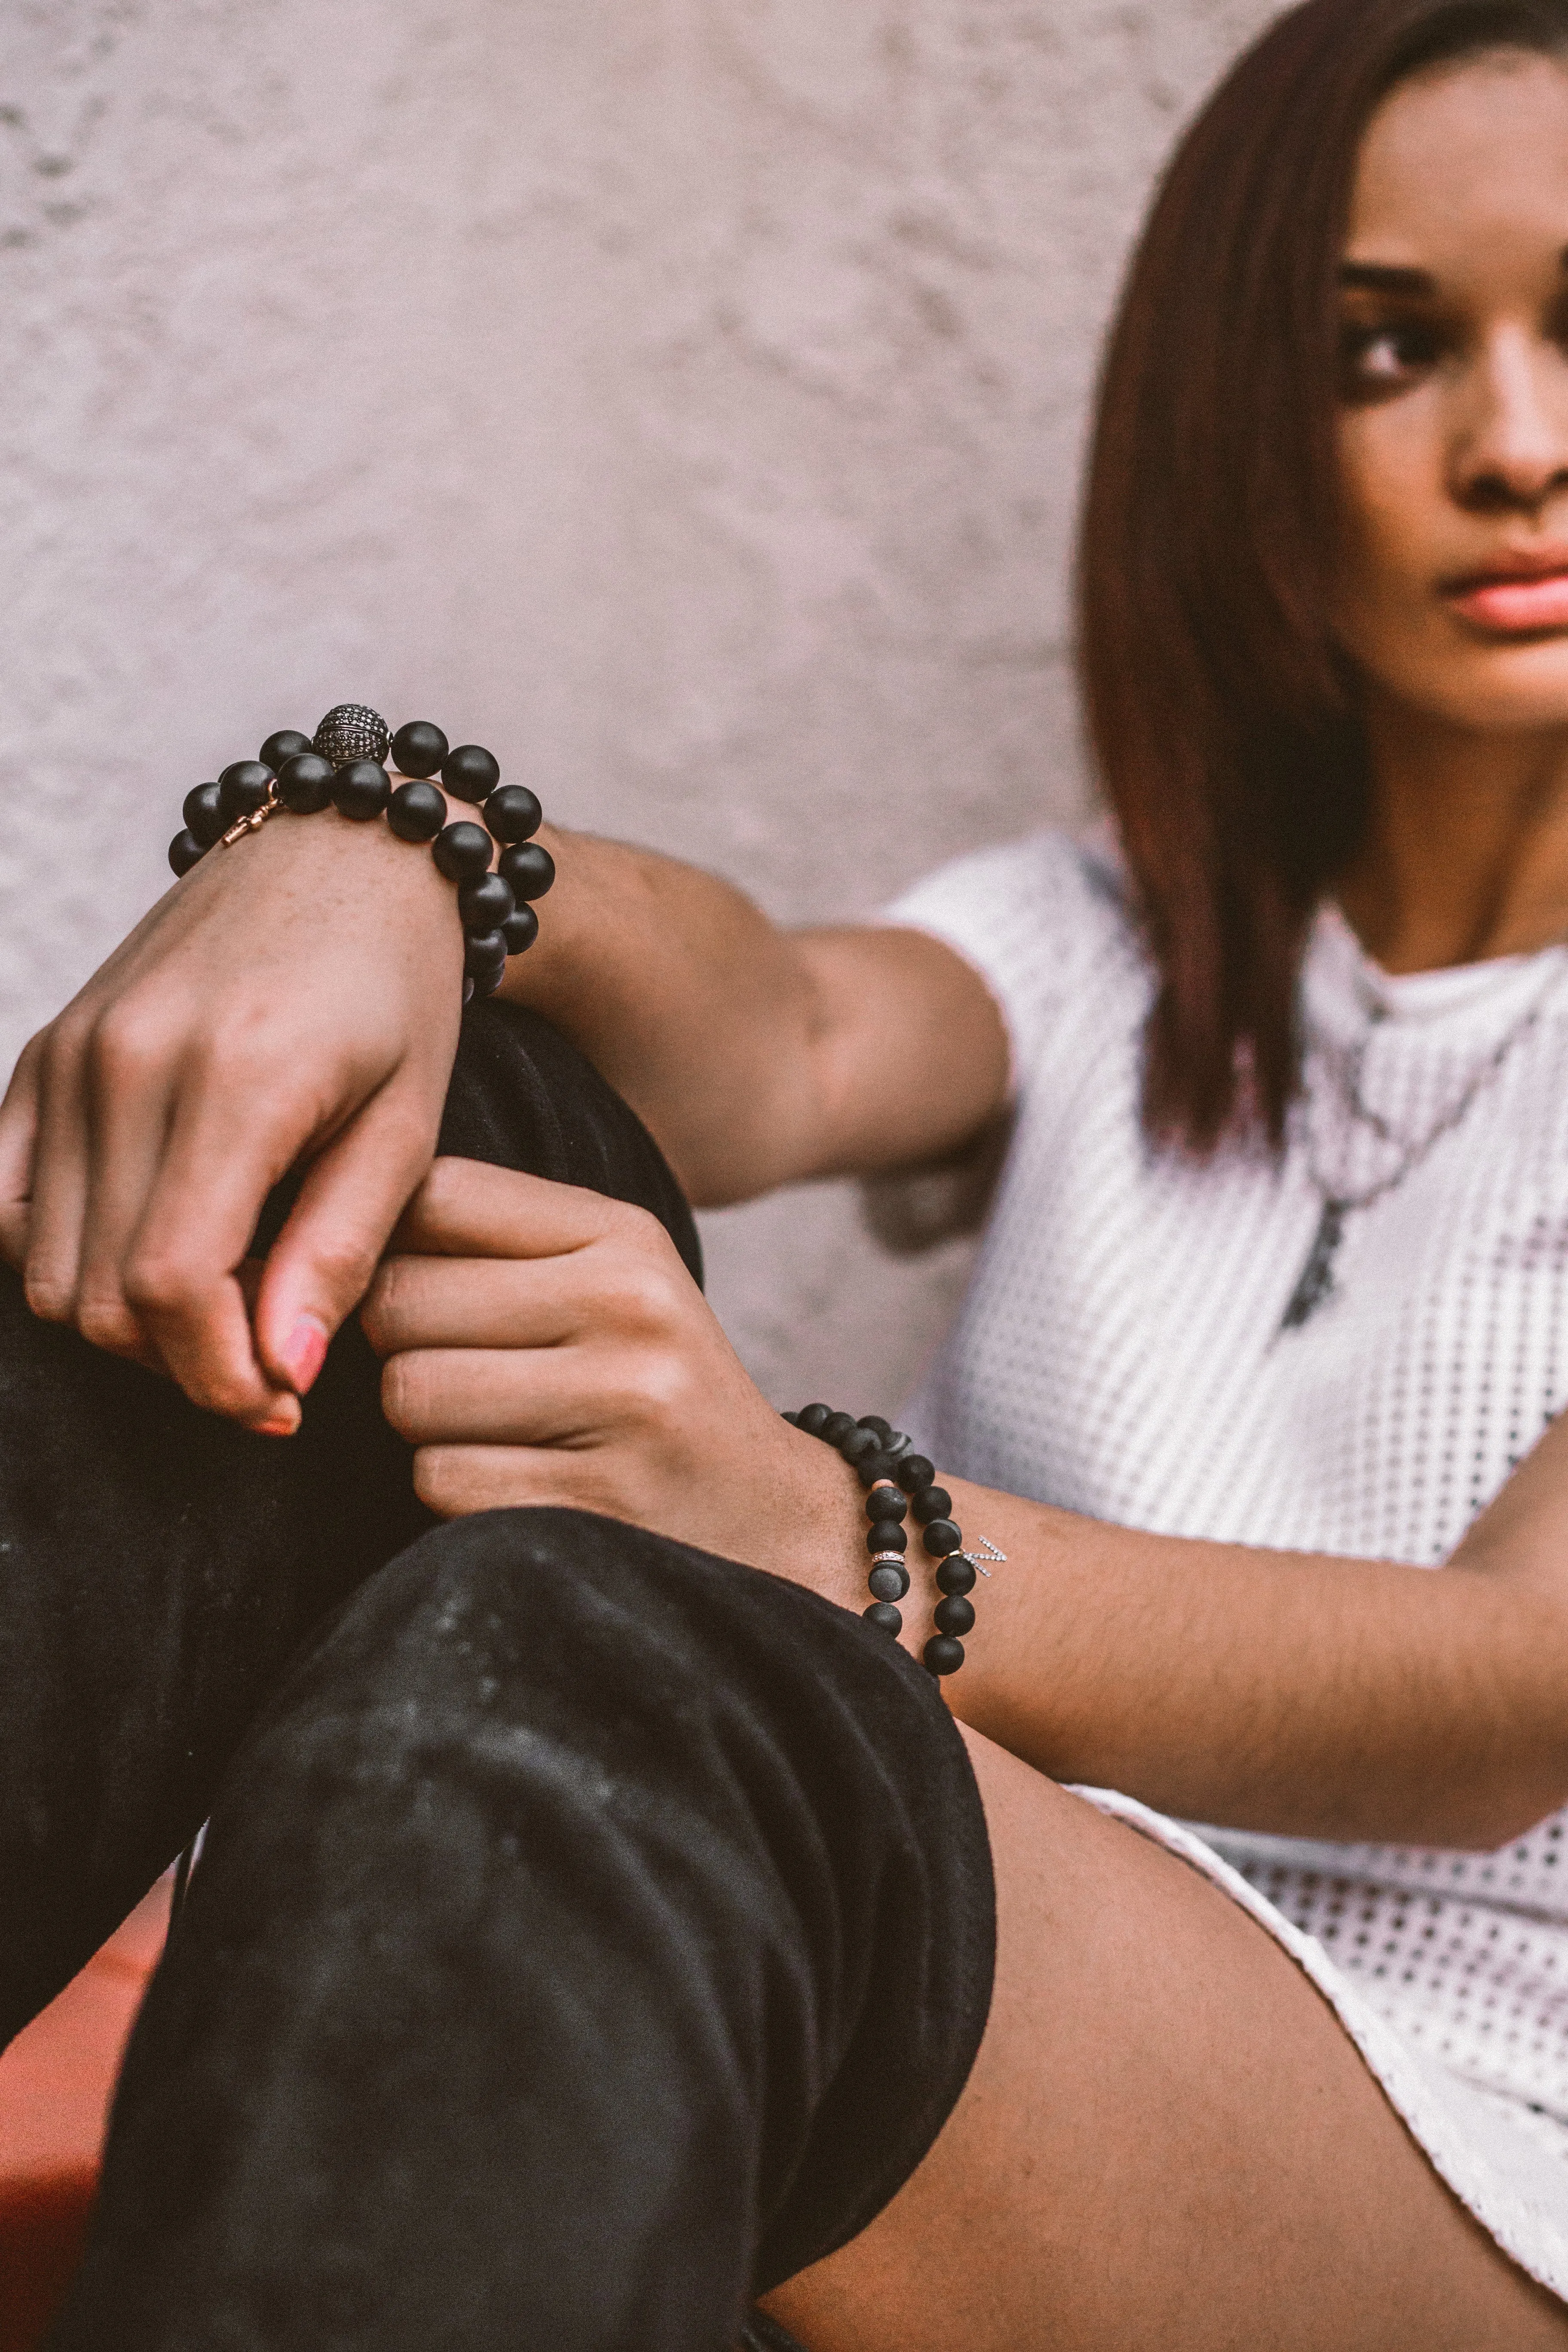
x: 901, y: 1485
x: 343, y: 764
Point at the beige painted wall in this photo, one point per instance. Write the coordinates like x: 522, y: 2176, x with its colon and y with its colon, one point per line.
x: 683, y: 397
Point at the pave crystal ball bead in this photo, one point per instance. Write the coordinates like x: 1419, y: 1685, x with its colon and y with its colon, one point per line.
x: 352, y: 730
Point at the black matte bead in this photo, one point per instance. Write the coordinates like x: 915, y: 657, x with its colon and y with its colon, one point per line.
x: 184, y: 851
x: 204, y: 813
x: 482, y: 951
x: 305, y: 783
x: 287, y: 744
x: 529, y: 867
x: 470, y: 772
x: 931, y: 1503
x: 886, y: 1535
x: 242, y: 787
x: 811, y: 1418
x: 416, y: 811
x: 418, y: 748
x: 520, y: 929
x: 956, y: 1574
x: 954, y: 1615
x: 882, y: 1429
x: 887, y: 1583
x: 352, y: 730
x: 837, y: 1427
x: 882, y: 1614
x: 875, y: 1467
x: 513, y: 813
x: 462, y: 851
x: 488, y: 981
x: 941, y: 1538
x: 914, y: 1472
x: 362, y: 789
x: 484, y: 904
x: 856, y: 1443
x: 943, y: 1655
x: 886, y: 1501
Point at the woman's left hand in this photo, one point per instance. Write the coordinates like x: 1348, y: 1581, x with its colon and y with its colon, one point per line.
x: 544, y: 1345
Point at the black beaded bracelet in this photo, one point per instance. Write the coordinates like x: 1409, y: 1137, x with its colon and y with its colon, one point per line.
x: 343, y: 764
x: 902, y: 1483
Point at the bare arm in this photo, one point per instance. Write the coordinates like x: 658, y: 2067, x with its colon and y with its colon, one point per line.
x: 296, y: 997
x: 759, y: 1057
x: 1304, y: 1695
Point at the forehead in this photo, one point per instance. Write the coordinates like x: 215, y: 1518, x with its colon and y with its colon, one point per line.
x: 1465, y: 159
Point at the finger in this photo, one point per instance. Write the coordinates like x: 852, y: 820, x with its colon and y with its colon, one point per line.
x: 127, y: 1088
x: 182, y: 1265
x: 18, y: 1136
x: 526, y: 1396
x: 486, y: 1302
x: 58, y: 1202
x: 453, y: 1480
x: 324, y: 1261
x: 465, y: 1208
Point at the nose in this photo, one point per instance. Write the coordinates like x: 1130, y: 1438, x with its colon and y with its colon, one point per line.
x: 1510, y: 454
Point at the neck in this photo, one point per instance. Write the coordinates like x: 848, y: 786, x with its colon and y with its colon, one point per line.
x: 1466, y: 851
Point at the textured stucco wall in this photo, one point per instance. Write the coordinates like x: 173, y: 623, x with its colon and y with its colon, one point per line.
x: 684, y: 397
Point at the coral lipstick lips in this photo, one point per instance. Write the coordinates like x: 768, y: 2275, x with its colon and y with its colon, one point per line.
x: 1516, y: 599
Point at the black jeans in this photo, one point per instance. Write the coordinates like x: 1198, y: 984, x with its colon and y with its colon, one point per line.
x: 589, y: 1934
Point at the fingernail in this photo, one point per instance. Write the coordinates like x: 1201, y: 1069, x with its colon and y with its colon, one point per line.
x: 284, y: 1418
x: 304, y: 1353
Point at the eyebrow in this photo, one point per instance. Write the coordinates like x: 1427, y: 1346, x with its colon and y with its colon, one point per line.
x: 1392, y: 277
x: 1385, y: 277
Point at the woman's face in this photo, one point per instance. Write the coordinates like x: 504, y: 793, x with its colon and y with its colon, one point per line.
x: 1453, y: 589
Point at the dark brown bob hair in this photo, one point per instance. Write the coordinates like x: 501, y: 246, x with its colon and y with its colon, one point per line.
x: 1223, y: 715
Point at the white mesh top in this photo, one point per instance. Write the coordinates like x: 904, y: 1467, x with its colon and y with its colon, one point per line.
x: 1120, y: 1352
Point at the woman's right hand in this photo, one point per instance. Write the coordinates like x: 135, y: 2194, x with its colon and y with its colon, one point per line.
x: 295, y: 996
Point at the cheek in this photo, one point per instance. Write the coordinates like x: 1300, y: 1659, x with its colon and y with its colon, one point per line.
x: 1393, y: 507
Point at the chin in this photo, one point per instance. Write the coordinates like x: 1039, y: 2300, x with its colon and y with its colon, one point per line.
x: 1505, y: 689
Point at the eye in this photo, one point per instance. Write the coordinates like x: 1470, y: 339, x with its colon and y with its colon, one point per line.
x: 1385, y: 357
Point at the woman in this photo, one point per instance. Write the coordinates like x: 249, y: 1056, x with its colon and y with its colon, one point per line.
x: 1266, y: 1324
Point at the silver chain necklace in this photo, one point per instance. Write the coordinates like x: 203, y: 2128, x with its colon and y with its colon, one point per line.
x: 1315, y: 1282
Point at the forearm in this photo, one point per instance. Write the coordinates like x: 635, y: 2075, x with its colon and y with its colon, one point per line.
x: 1293, y: 1693
x: 757, y: 1056
x: 694, y: 1007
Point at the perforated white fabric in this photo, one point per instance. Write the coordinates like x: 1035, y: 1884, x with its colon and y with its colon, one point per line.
x: 1120, y: 1353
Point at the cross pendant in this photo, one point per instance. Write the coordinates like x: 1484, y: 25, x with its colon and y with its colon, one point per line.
x: 1316, y: 1280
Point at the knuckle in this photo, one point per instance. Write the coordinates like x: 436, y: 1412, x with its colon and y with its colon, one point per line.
x: 444, y: 1481
x: 449, y: 1183
x: 347, y: 1266
x: 109, y: 1324
x: 643, y: 1294
x: 406, y: 1394
x: 48, y: 1295
x: 380, y: 1311
x: 127, y: 1046
x: 162, y: 1282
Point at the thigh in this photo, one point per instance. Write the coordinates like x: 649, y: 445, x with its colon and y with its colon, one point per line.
x: 1167, y: 2141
